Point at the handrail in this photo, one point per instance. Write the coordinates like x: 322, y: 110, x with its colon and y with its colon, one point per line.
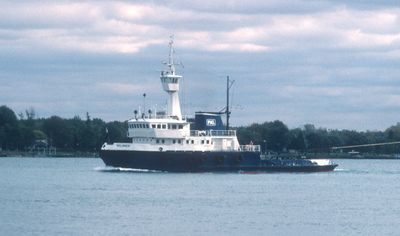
x: 213, y: 133
x: 250, y: 148
x: 150, y: 117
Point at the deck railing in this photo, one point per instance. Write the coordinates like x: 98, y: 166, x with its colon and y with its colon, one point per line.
x: 213, y: 133
x: 250, y: 148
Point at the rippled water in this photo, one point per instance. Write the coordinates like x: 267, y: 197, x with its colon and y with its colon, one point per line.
x: 40, y: 196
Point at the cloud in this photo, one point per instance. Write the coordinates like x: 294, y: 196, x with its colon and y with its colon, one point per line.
x: 291, y: 60
x: 124, y: 27
x: 119, y: 88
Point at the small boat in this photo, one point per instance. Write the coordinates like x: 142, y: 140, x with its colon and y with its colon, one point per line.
x: 168, y: 141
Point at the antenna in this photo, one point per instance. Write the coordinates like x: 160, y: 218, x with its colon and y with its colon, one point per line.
x: 170, y: 56
x: 144, y: 102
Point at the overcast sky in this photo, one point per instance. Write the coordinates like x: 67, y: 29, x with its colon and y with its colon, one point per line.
x: 335, y: 64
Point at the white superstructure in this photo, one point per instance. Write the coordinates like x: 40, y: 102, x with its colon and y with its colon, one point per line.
x: 170, y: 82
x: 172, y: 132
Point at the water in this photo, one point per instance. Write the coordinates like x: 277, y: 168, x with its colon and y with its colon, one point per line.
x: 81, y: 197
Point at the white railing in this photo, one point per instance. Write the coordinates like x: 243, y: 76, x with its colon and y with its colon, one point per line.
x: 250, y: 148
x: 213, y: 133
x: 149, y: 117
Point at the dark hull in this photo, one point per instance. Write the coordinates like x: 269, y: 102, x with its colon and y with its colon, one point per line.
x: 180, y: 161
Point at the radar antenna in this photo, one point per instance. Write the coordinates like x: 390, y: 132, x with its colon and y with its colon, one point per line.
x: 170, y: 63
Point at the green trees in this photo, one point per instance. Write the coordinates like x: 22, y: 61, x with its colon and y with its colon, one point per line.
x: 65, y: 134
x: 9, y: 132
x: 87, y: 135
x: 276, y: 134
x: 58, y: 132
x: 310, y: 139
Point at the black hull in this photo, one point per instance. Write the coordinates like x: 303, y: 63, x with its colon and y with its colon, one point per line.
x: 180, y: 161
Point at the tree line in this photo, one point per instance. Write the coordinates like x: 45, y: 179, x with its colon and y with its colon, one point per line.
x: 276, y: 136
x: 73, y: 134
x: 24, y: 130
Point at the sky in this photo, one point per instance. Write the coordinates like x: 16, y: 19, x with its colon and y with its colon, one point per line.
x: 334, y: 64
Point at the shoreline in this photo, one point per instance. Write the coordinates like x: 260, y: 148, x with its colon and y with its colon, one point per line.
x: 5, y: 154
x: 17, y: 154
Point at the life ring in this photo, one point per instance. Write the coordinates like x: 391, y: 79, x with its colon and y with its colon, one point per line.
x: 160, y: 149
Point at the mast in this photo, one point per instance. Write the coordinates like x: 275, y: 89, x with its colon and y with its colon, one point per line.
x: 170, y: 82
x: 229, y: 84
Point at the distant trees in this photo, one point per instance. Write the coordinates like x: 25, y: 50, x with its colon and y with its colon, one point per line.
x: 66, y: 134
x: 310, y: 139
x: 9, y: 132
x: 76, y: 134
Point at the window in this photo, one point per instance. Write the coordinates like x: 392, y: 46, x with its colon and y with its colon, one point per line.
x: 153, y: 126
x: 187, y: 141
x: 192, y: 141
x: 169, y: 126
x: 164, y: 126
x: 202, y: 141
x: 157, y: 141
x: 173, y: 126
x: 147, y: 126
x: 179, y: 141
x: 158, y: 126
x: 162, y: 141
x: 173, y: 141
x: 180, y: 126
x: 208, y: 141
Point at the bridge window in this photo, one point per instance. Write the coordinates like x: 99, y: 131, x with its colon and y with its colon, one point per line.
x: 164, y: 126
x: 158, y: 126
x: 173, y: 126
x: 180, y: 126
x: 147, y: 126
x: 153, y: 126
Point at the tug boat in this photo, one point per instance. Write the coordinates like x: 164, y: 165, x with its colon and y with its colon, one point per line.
x: 168, y: 141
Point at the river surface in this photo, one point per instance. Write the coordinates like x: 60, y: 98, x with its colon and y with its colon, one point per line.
x: 79, y: 196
